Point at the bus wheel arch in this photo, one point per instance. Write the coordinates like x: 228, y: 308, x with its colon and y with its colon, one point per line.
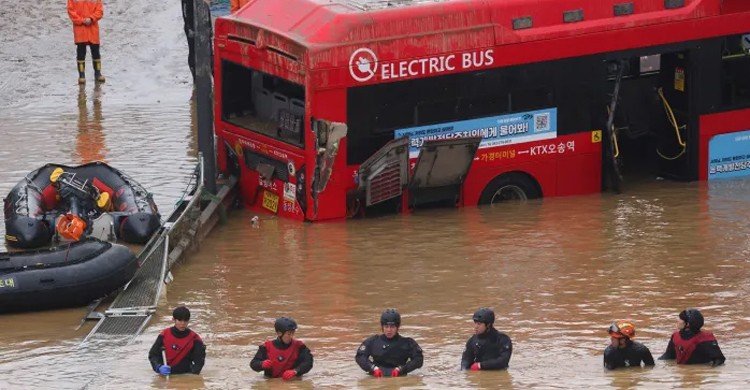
x: 515, y: 186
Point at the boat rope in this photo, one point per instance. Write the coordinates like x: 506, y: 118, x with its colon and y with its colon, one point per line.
x: 189, y: 186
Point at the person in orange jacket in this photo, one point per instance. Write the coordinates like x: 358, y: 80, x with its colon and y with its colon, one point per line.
x: 85, y: 15
x: 235, y: 5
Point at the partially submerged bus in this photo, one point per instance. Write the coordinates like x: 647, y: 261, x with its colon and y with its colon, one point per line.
x: 334, y: 109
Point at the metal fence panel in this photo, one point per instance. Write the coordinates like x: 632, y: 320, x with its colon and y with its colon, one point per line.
x: 131, y: 310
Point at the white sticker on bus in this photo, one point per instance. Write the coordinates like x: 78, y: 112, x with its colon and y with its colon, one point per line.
x: 363, y: 64
x: 746, y: 42
x: 290, y: 192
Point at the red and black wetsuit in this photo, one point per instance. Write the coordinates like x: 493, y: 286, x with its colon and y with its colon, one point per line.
x: 293, y: 356
x: 689, y: 347
x: 185, y: 351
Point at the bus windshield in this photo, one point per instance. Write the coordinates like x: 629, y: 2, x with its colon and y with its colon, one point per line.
x: 263, y: 103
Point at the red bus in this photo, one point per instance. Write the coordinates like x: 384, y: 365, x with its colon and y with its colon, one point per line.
x: 329, y: 110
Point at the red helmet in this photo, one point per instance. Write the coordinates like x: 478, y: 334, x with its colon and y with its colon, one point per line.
x: 622, y: 329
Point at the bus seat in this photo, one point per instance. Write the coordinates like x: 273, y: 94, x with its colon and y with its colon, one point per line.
x: 263, y: 104
x: 280, y: 102
x: 297, y: 107
x: 256, y: 84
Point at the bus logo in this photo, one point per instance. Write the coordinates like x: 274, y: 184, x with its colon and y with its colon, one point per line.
x: 363, y: 64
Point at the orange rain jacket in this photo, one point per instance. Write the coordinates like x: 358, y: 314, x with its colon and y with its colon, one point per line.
x: 235, y: 5
x: 79, y: 10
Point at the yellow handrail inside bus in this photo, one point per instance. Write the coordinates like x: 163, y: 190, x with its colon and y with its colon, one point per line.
x: 673, y: 121
x: 614, y: 142
x: 613, y: 131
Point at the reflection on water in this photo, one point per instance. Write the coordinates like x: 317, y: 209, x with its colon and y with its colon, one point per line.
x: 90, y: 141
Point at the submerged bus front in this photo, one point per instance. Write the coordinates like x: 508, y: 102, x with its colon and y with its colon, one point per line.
x: 260, y: 116
x: 286, y: 86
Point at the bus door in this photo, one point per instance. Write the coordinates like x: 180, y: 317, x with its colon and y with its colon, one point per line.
x: 381, y: 179
x: 440, y: 170
x: 649, y: 121
x: 677, y: 143
x: 436, y: 178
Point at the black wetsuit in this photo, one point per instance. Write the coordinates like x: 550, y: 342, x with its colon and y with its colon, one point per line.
x: 631, y: 356
x: 705, y: 352
x: 192, y: 363
x: 491, y: 349
x: 302, y: 365
x: 399, y: 352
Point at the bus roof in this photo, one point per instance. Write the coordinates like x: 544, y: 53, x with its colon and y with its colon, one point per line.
x: 318, y: 26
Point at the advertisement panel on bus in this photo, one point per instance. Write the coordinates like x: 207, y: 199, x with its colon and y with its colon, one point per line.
x: 499, y: 130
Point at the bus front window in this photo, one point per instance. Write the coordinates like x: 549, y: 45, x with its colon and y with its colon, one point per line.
x: 263, y: 103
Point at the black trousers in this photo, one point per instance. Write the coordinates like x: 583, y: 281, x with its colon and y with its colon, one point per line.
x: 81, y: 51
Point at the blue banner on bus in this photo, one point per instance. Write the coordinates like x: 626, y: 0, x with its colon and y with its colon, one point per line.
x: 495, y: 130
x: 729, y: 155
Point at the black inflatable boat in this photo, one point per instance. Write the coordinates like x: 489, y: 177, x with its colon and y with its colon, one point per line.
x: 50, y: 198
x: 68, y: 275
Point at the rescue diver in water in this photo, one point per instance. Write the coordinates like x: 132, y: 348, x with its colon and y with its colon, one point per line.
x: 487, y: 349
x: 691, y: 345
x: 623, y: 351
x: 183, y: 348
x: 389, y: 354
x: 285, y: 356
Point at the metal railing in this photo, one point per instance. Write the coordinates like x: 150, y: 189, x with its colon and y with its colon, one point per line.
x: 133, y: 307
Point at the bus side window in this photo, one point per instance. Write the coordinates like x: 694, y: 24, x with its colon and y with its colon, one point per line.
x: 735, y: 75
x: 236, y: 100
x: 531, y: 99
x: 435, y: 111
